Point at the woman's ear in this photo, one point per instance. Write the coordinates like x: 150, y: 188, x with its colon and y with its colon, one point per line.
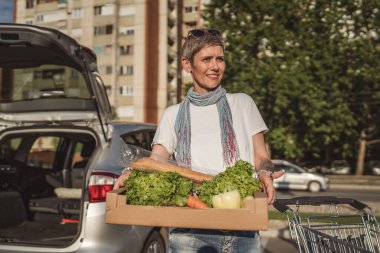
x: 186, y: 65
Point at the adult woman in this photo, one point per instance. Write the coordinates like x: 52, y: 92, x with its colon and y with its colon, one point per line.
x: 208, y: 131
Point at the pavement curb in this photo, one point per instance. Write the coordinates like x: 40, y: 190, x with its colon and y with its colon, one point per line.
x: 354, y: 186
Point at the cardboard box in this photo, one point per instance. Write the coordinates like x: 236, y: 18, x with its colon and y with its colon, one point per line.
x: 254, y: 216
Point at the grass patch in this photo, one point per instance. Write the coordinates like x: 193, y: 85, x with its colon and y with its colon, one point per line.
x: 275, y: 215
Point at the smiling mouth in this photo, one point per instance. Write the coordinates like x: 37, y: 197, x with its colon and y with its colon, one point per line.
x: 213, y: 76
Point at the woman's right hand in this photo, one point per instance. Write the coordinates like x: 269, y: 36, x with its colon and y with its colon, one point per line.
x: 120, y: 180
x: 159, y: 152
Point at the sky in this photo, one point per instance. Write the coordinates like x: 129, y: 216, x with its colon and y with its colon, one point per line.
x: 6, y: 11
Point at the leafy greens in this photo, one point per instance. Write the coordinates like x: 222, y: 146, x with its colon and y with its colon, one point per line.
x: 236, y: 177
x: 157, y: 189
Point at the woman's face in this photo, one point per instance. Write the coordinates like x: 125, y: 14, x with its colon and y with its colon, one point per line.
x: 207, y: 68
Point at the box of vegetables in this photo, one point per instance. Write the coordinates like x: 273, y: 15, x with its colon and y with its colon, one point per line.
x: 166, y: 195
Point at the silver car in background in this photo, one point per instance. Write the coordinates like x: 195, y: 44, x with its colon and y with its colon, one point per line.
x: 59, y: 150
x: 296, y: 178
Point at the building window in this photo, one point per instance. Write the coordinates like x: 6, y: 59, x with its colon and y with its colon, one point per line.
x: 76, y: 13
x: 109, y: 69
x: 188, y: 9
x: 98, y: 10
x: 126, y: 70
x: 29, y: 4
x: 46, y: 1
x: 40, y: 18
x: 29, y: 21
x: 103, y: 10
x: 109, y: 29
x: 126, y: 90
x: 126, y: 31
x: 53, y: 16
x: 105, y: 69
x: 97, y: 30
x: 102, y: 30
x: 126, y: 50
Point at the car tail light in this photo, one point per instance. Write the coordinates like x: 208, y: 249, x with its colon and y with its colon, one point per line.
x: 100, y: 184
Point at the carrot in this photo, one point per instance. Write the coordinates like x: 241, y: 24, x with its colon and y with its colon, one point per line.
x: 194, y: 202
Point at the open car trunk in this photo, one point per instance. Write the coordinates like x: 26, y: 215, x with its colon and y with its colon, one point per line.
x: 43, y: 184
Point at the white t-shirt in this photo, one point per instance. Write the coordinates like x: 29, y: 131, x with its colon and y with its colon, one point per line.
x: 206, y: 148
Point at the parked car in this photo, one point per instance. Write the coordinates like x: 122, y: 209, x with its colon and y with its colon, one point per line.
x: 296, y: 178
x: 59, y: 150
x: 340, y: 167
x: 336, y: 167
x: 374, y: 167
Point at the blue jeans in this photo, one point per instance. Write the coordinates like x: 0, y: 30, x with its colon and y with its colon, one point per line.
x: 184, y: 240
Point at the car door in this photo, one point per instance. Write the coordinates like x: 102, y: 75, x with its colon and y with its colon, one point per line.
x: 292, y: 179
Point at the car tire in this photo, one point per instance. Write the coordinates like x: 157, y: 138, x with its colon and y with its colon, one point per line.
x: 314, y: 186
x: 154, y: 243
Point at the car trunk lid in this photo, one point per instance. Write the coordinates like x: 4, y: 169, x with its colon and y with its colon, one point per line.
x: 47, y: 76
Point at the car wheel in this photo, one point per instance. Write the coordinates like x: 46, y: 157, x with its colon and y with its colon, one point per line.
x: 314, y: 186
x: 154, y: 244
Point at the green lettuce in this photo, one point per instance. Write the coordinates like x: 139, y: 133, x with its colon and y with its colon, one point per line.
x: 157, y: 189
x: 236, y: 177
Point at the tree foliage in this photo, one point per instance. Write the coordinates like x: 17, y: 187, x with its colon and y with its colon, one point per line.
x: 313, y: 68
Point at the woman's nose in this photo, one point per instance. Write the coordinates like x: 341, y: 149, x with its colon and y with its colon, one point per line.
x: 214, y: 65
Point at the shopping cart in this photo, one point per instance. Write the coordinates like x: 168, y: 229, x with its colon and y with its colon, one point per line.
x: 333, y: 231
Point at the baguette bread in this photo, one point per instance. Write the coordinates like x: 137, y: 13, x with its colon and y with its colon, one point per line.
x: 151, y: 165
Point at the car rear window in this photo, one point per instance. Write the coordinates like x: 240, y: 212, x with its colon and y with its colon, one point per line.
x: 45, y: 81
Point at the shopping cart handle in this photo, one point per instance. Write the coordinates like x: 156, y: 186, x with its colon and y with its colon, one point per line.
x: 354, y: 203
x: 282, y: 205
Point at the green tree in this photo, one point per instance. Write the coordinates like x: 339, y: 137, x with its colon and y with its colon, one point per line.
x: 309, y: 66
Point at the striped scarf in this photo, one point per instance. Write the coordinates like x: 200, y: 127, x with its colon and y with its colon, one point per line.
x: 183, y: 125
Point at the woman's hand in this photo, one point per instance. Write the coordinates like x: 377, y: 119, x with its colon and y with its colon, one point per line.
x: 266, y: 179
x: 121, y: 179
x: 264, y: 166
x: 159, y: 152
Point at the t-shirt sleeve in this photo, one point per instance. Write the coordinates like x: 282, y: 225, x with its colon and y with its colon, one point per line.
x: 256, y: 121
x: 165, y: 134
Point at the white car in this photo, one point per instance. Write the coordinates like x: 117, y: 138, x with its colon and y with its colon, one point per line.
x: 296, y: 178
x: 374, y: 167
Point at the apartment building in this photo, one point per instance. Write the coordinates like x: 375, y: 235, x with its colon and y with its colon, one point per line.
x: 136, y: 42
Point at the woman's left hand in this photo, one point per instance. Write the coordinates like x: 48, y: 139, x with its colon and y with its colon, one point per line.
x: 267, y: 180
